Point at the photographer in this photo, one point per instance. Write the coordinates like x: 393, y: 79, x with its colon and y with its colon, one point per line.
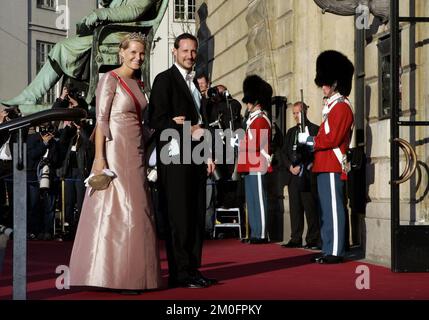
x: 79, y: 154
x: 43, y: 157
x: 69, y: 99
x: 223, y: 112
x: 6, y: 169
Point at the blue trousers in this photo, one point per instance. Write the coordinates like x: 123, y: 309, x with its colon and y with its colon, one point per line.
x: 333, y: 219
x: 256, y: 200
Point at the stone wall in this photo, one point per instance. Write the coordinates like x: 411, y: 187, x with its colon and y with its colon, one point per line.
x: 280, y: 41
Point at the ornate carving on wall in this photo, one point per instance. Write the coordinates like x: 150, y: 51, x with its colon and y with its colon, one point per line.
x: 379, y: 8
x: 259, y: 41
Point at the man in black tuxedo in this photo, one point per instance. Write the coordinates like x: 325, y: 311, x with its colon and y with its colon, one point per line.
x: 302, y: 188
x: 175, y: 104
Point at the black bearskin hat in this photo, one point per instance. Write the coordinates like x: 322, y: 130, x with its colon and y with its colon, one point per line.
x: 257, y: 91
x: 332, y: 66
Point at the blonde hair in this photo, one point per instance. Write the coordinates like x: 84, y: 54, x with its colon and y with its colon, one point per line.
x: 135, y: 36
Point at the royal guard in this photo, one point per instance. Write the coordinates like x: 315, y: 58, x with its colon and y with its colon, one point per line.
x: 334, y: 73
x: 254, y: 158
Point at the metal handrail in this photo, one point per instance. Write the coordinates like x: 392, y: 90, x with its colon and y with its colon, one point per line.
x: 38, y: 118
x: 20, y: 187
x: 411, y: 157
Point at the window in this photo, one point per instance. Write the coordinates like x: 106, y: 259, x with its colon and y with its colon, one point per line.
x: 47, y: 4
x: 184, y: 10
x: 384, y: 63
x: 191, y: 9
x: 43, y: 49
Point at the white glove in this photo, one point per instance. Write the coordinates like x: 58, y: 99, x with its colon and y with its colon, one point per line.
x: 173, y: 148
x: 107, y: 172
x: 303, y: 136
x: 233, y: 142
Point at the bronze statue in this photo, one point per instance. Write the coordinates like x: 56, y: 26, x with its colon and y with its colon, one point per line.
x: 70, y: 57
x: 379, y: 8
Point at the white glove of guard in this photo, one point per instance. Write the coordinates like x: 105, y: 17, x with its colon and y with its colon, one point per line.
x: 233, y: 142
x: 303, y: 136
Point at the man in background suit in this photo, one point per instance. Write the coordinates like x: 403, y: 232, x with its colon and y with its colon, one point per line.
x: 302, y: 187
x: 175, y: 101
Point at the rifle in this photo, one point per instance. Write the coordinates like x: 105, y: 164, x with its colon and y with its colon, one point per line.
x: 235, y: 176
x: 302, y: 126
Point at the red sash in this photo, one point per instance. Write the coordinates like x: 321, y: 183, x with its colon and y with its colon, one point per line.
x: 136, y: 102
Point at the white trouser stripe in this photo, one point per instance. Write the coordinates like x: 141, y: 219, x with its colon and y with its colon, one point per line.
x: 334, y: 214
x: 261, y: 205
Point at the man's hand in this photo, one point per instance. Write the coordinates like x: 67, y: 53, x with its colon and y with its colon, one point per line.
x: 3, y: 116
x: 73, y: 103
x: 295, y: 170
x: 47, y: 137
x: 211, y: 166
x: 64, y: 93
x: 197, y: 132
x: 179, y: 120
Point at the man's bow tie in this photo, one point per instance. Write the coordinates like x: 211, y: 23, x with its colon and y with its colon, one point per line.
x: 190, y: 76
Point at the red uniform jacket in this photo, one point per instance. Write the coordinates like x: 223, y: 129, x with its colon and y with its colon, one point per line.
x: 254, y: 150
x: 335, y: 131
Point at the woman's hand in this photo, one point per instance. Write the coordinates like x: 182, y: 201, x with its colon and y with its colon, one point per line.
x: 99, y: 165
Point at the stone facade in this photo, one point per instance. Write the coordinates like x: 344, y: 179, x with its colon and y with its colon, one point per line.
x: 280, y: 41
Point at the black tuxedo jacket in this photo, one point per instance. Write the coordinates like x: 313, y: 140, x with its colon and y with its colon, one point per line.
x: 170, y: 97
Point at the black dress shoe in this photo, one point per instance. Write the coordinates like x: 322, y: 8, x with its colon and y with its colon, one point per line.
x: 316, y: 258
x: 125, y: 291
x: 312, y: 246
x: 292, y: 244
x: 258, y: 241
x: 131, y: 292
x: 329, y: 259
x: 207, y: 281
x: 192, y: 283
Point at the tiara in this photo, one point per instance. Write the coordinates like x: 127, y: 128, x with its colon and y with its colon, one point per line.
x: 136, y: 36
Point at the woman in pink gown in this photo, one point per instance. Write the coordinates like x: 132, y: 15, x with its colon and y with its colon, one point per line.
x: 115, y: 245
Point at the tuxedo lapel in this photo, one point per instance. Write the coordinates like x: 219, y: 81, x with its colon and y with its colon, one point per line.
x: 184, y: 88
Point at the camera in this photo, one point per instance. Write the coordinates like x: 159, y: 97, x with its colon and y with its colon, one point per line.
x: 213, y: 92
x: 43, y: 174
x: 49, y: 129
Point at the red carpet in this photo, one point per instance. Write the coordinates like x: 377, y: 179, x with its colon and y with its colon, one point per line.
x: 246, y: 272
